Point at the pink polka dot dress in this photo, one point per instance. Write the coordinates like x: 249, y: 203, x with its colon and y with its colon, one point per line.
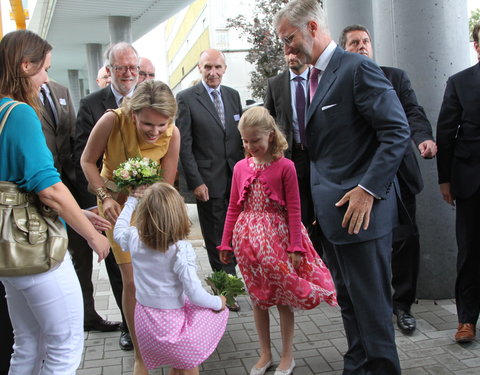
x: 181, y: 338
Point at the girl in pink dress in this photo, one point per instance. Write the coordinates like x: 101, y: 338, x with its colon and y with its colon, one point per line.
x: 263, y: 228
x: 176, y: 321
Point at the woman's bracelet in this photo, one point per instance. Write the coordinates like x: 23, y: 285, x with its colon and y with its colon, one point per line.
x: 102, y: 193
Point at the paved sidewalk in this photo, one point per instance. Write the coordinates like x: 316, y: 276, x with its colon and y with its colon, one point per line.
x: 319, y: 341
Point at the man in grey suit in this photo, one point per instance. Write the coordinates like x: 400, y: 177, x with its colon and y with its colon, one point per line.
x: 208, y: 115
x: 406, y: 240
x: 356, y: 135
x: 123, y: 67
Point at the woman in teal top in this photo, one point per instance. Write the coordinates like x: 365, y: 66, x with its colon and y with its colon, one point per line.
x: 46, y: 309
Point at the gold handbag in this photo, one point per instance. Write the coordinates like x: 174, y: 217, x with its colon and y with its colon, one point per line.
x: 32, y: 237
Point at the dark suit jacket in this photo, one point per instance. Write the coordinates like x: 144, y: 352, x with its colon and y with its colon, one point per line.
x: 208, y: 152
x: 420, y: 128
x: 278, y: 101
x: 60, y: 137
x: 458, y: 133
x: 357, y: 134
x: 92, y: 107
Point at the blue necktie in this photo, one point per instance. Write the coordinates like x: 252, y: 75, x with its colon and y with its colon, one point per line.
x: 300, y: 107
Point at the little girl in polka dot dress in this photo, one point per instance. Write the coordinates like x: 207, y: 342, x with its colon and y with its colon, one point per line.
x: 178, y: 323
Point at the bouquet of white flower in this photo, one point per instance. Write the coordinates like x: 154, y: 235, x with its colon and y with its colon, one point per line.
x: 135, y: 172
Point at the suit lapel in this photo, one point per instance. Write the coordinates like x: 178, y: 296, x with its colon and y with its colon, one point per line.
x: 205, y: 101
x: 328, y: 77
x: 288, y: 95
x: 109, y: 101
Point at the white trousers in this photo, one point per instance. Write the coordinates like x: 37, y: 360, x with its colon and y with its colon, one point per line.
x: 47, y: 317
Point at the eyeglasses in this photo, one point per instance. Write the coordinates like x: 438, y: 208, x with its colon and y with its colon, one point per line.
x: 289, y: 39
x: 145, y: 74
x: 124, y: 68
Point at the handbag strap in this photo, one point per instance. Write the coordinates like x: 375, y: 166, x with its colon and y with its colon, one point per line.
x: 12, y: 105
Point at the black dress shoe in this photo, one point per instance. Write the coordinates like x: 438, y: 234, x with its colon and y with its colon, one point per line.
x: 405, y: 321
x: 101, y: 325
x: 125, y: 341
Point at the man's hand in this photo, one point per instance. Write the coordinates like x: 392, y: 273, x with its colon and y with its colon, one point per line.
x: 428, y: 149
x: 358, y: 212
x: 445, y: 190
x: 201, y: 193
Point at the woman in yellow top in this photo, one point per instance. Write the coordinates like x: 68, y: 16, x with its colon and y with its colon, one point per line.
x: 142, y: 126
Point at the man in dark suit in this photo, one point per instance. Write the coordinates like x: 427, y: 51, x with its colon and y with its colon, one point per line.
x: 58, y: 125
x: 123, y: 69
x: 281, y: 100
x: 406, y: 241
x: 458, y: 164
x: 356, y: 135
x: 208, y: 115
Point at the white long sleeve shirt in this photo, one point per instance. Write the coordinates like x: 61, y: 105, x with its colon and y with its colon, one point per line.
x: 162, y: 280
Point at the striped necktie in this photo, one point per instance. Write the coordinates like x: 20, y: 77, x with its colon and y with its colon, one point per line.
x: 218, y: 106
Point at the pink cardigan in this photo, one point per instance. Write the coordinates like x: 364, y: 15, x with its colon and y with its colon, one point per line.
x: 281, y: 185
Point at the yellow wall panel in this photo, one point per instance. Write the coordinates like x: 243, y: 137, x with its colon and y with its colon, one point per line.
x: 193, y: 12
x: 190, y: 60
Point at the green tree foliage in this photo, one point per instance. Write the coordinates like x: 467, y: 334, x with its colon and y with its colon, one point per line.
x: 266, y: 52
x: 473, y: 20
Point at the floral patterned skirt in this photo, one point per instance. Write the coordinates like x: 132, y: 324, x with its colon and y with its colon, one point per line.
x: 260, y: 240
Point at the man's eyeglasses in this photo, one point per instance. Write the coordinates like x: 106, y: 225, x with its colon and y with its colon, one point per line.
x: 124, y: 68
x: 145, y: 74
x: 289, y: 39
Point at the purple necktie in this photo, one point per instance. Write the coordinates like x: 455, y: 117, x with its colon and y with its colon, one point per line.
x: 314, y: 72
x: 300, y: 107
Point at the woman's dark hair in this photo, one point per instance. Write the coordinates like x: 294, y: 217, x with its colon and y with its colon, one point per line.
x: 16, y: 48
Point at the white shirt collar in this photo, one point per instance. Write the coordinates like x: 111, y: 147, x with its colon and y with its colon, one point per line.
x: 304, y: 75
x: 209, y: 89
x: 119, y: 96
x: 326, y: 56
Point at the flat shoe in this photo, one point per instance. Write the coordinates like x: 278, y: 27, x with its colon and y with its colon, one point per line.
x: 405, y: 321
x: 285, y: 372
x: 262, y: 370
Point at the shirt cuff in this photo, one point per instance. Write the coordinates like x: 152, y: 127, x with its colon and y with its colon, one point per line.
x: 369, y: 192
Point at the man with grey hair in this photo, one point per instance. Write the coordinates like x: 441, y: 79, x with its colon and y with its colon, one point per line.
x: 406, y: 241
x: 356, y: 135
x: 123, y: 69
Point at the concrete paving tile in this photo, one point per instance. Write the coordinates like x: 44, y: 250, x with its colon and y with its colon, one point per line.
x: 471, y: 371
x: 450, y: 362
x: 93, y: 352
x: 417, y: 362
x: 438, y: 370
x: 112, y: 370
x: 317, y: 364
x: 421, y: 353
x: 330, y: 354
x: 415, y: 371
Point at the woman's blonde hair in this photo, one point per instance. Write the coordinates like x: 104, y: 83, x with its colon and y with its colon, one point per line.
x: 259, y: 118
x: 16, y: 48
x: 152, y: 94
x: 162, y: 217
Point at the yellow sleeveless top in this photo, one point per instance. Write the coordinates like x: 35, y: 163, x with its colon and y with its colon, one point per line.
x: 124, y: 143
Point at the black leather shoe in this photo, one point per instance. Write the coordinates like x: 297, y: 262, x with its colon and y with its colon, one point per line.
x: 125, y: 341
x: 101, y: 325
x: 405, y: 321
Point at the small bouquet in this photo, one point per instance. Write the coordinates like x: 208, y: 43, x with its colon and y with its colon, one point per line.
x: 135, y: 172
x: 223, y: 284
